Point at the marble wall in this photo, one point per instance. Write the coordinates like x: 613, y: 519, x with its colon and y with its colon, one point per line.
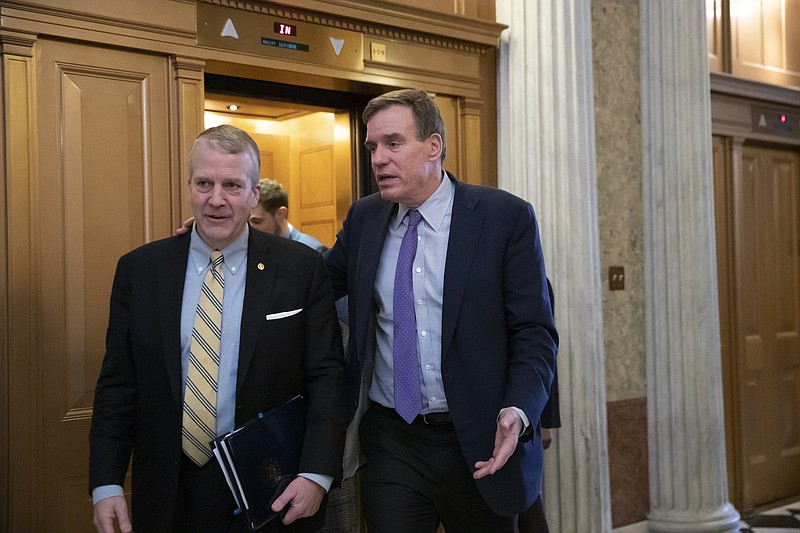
x: 615, y: 48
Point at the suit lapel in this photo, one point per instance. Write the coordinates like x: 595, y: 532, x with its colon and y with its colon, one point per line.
x: 465, y: 231
x: 376, y: 225
x: 261, y: 273
x: 171, y: 279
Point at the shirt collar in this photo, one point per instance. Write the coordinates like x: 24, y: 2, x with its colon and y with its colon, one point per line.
x: 234, y: 254
x: 434, y: 209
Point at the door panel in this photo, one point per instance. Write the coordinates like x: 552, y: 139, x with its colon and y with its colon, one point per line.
x: 103, y: 188
x: 766, y: 229
x: 314, y: 179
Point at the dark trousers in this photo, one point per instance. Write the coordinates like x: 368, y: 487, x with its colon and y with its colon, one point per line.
x: 532, y: 520
x: 416, y: 477
x: 205, y: 505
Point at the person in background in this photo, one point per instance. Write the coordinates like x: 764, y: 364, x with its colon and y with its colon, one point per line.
x: 271, y: 215
x: 206, y: 330
x: 452, y: 340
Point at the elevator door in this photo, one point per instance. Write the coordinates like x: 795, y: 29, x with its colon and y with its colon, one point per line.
x: 765, y: 223
x: 310, y: 142
x: 102, y: 187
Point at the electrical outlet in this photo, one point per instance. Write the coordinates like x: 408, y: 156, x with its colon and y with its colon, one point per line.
x: 616, y: 278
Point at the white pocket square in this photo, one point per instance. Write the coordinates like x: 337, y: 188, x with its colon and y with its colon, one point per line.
x: 284, y: 314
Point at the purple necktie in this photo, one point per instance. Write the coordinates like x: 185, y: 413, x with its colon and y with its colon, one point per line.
x: 407, y: 400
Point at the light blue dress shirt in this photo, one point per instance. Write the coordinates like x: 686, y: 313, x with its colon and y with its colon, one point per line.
x: 235, y: 263
x: 296, y: 235
x: 428, y: 278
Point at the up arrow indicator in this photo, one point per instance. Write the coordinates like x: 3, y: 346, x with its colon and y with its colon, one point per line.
x: 229, y: 30
x: 762, y: 122
x: 337, y: 45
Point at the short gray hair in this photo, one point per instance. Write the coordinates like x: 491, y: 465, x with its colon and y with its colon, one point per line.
x: 231, y: 140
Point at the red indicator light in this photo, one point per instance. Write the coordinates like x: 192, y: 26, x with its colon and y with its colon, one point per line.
x: 783, y: 118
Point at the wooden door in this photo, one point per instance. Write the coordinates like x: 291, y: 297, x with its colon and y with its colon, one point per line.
x: 321, y: 175
x: 765, y: 336
x: 102, y: 187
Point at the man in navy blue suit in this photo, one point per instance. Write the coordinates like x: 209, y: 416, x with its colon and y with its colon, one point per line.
x: 484, y: 331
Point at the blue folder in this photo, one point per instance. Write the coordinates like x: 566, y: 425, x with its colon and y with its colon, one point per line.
x: 262, y: 457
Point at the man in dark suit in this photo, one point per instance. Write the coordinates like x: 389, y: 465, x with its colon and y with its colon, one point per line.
x: 278, y: 337
x: 467, y: 452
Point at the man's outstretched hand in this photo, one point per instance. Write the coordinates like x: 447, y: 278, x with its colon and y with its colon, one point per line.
x: 509, y: 427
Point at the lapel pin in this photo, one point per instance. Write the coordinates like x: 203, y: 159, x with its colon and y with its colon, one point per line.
x: 261, y: 266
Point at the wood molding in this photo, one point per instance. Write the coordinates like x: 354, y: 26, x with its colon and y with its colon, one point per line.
x: 17, y: 43
x: 756, y: 90
x: 188, y: 95
x: 732, y: 101
x: 372, y: 18
x: 73, y: 17
x: 20, y: 436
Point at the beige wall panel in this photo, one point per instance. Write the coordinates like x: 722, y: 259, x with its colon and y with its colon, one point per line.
x: 792, y: 36
x: 345, y: 178
x: 104, y: 187
x: 317, y: 186
x: 714, y: 35
x: 187, y: 102
x: 174, y: 15
x: 480, y: 9
x: 747, y: 47
x: 18, y: 509
x: 323, y: 230
x: 748, y: 268
x: 772, y: 24
x: 267, y: 166
x: 472, y: 158
x: 448, y: 106
x: 314, y: 179
x: 424, y: 67
x: 785, y: 213
x: 764, y: 41
x: 274, y: 150
x: 731, y: 114
x: 749, y: 320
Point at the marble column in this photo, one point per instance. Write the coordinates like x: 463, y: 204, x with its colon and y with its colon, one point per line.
x: 686, y: 437
x: 546, y: 145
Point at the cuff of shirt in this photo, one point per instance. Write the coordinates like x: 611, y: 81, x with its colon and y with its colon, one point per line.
x: 525, y: 422
x: 106, y: 491
x: 320, y: 479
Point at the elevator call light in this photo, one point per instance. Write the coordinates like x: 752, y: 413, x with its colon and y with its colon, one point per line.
x: 775, y: 121
x: 281, y: 28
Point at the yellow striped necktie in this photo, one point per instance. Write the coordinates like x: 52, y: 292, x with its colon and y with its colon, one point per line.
x: 200, y: 398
